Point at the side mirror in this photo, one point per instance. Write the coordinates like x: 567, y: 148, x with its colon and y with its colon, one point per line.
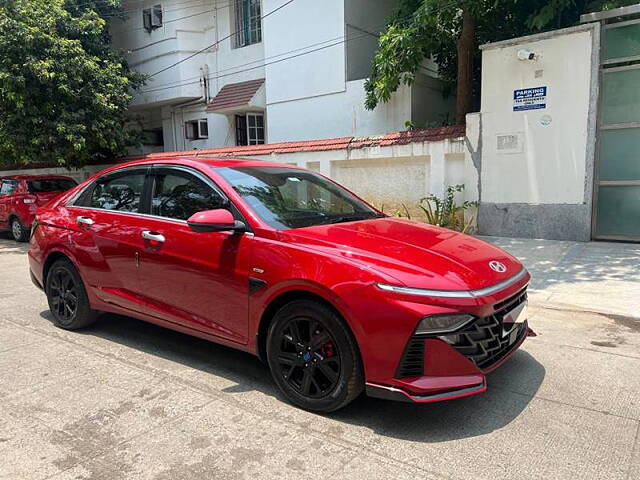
x: 219, y: 220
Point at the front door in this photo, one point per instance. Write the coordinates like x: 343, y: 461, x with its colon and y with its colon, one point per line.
x: 199, y: 280
x: 617, y: 212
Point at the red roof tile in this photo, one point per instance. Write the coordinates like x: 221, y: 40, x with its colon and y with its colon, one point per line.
x: 235, y: 95
x: 351, y: 143
x: 341, y: 143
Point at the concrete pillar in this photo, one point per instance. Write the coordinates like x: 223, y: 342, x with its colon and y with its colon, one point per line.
x: 168, y: 132
x: 325, y: 167
x: 438, y: 170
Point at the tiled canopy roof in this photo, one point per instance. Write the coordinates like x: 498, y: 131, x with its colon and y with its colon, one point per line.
x: 388, y: 140
x: 235, y: 95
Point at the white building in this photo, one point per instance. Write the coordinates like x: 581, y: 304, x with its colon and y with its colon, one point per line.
x: 554, y: 152
x: 235, y: 72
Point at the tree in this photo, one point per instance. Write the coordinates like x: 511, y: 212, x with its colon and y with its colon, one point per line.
x: 450, y: 31
x: 64, y: 91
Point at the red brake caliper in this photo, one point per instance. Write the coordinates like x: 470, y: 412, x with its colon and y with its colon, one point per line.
x: 327, y: 350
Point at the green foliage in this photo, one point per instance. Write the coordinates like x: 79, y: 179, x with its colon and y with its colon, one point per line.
x: 445, y: 121
x: 561, y: 13
x: 421, y: 29
x: 64, y: 91
x: 445, y: 212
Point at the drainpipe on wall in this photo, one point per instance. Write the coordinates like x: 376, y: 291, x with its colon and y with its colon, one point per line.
x: 204, y: 82
x: 181, y: 107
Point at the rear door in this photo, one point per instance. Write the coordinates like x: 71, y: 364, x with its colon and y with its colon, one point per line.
x: 199, y: 280
x: 108, y: 220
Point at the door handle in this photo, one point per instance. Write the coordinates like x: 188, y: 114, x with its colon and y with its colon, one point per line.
x: 154, y: 237
x: 86, y: 221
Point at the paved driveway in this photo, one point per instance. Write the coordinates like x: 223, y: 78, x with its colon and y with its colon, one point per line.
x: 127, y: 400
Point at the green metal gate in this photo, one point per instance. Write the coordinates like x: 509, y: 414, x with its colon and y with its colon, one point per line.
x: 617, y: 187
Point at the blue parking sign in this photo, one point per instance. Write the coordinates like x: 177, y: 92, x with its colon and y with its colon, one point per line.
x: 530, y: 99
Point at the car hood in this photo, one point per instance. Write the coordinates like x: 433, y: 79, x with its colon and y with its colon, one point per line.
x: 414, y: 254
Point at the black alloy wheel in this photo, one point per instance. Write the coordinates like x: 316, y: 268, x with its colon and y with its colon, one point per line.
x: 308, y: 357
x: 67, y: 297
x: 313, y: 357
x: 64, y: 295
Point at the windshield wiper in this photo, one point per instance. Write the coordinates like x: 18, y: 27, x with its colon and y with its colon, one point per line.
x: 353, y: 217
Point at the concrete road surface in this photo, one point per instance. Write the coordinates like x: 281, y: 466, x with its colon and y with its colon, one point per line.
x: 128, y: 400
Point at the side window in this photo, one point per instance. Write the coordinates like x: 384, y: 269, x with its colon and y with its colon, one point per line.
x: 122, y: 193
x: 180, y: 195
x: 248, y: 23
x: 8, y: 187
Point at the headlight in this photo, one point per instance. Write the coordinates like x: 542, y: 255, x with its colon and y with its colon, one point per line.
x: 442, y: 324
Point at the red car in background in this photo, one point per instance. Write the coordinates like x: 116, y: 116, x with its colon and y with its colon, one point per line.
x: 20, y: 197
x: 281, y: 262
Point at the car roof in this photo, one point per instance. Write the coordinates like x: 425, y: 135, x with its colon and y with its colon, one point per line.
x: 215, y: 162
x: 34, y: 177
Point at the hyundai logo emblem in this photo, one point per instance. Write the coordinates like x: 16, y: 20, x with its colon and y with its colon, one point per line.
x: 497, y: 266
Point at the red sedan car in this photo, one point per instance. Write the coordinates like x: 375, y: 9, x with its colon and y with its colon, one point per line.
x: 285, y: 264
x: 21, y: 195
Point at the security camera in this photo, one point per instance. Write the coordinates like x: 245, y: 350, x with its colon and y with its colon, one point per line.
x: 525, y: 55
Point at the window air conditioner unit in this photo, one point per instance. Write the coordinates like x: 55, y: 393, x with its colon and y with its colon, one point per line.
x: 156, y: 16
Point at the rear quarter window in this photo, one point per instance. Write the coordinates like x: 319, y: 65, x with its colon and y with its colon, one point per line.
x: 8, y: 187
x: 50, y: 185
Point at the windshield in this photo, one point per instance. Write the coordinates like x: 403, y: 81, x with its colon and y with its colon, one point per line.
x: 288, y: 198
x: 47, y: 185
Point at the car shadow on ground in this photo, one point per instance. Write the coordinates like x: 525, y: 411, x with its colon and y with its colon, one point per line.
x: 511, y: 387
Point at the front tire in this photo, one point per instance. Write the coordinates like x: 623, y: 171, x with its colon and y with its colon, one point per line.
x: 19, y: 231
x: 313, y: 357
x: 67, y: 297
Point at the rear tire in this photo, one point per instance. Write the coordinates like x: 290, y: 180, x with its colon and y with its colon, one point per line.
x: 67, y: 297
x: 313, y: 357
x: 19, y: 231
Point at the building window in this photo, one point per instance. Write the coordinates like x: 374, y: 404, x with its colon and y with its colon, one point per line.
x: 247, y: 22
x: 152, y: 17
x: 153, y: 137
x: 196, y: 129
x: 250, y: 129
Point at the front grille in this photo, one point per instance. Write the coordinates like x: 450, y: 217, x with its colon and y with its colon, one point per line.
x: 482, y: 342
x: 511, y: 302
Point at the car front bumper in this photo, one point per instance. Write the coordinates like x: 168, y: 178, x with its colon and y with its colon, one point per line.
x: 35, y: 281
x: 432, y: 368
x: 437, y: 388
